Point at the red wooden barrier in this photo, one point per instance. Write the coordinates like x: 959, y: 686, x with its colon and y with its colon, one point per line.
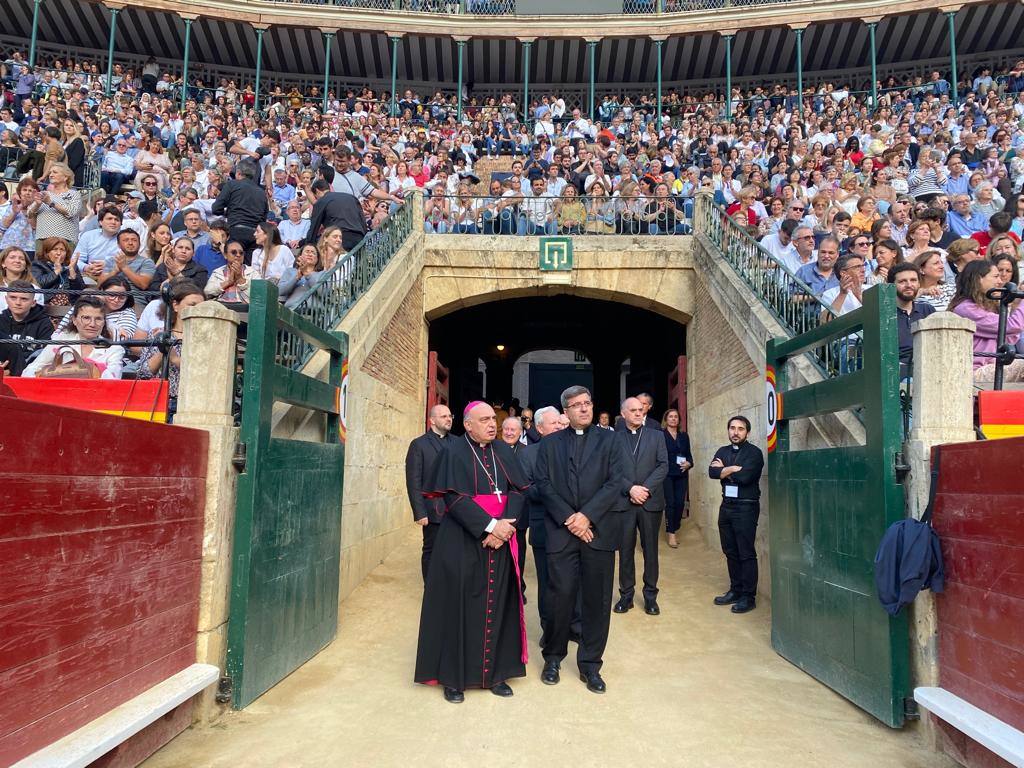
x: 101, y: 524
x: 981, y: 613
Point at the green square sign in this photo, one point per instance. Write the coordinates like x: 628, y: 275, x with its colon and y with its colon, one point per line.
x: 556, y: 254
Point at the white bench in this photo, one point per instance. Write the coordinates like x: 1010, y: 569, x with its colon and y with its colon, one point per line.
x: 95, y: 739
x: 989, y: 731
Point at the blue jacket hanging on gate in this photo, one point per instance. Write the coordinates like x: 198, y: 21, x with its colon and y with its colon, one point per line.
x: 909, y: 557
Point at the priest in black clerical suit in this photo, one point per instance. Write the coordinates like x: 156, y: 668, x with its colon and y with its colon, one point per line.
x: 579, y: 472
x: 642, y: 500
x: 419, y: 471
x: 472, y: 625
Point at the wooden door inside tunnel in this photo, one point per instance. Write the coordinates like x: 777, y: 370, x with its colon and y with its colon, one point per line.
x: 529, y: 349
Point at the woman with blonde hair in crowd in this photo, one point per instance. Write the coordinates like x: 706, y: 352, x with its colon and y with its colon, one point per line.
x: 330, y: 248
x: 57, y: 209
x: 970, y: 301
x: 75, y: 150
x: 570, y: 212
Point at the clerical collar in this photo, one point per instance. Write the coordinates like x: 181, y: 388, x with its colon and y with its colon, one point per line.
x: 736, y: 447
x: 635, y: 431
x: 578, y: 431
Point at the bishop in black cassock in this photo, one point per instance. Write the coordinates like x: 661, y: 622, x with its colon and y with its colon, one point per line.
x: 472, y: 625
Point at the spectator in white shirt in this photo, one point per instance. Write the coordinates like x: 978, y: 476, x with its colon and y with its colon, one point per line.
x: 848, y: 296
x: 295, y: 228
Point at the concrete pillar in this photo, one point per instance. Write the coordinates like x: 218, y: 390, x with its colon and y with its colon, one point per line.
x: 943, y: 412
x: 205, y: 394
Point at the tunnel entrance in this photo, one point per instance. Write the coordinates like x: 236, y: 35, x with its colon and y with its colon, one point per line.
x: 527, y: 350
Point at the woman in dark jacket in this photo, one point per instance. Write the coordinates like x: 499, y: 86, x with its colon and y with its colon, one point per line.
x: 54, y: 268
x: 680, y: 460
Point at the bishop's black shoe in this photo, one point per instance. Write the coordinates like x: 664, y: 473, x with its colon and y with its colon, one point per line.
x: 549, y: 676
x: 744, y: 604
x: 624, y: 604
x: 728, y: 598
x: 501, y: 689
x: 454, y: 695
x: 651, y: 607
x: 594, y: 682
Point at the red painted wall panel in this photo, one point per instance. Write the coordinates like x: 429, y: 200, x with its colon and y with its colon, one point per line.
x: 100, y: 542
x: 978, y: 517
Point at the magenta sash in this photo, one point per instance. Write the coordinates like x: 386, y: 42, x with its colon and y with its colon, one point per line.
x: 494, y: 507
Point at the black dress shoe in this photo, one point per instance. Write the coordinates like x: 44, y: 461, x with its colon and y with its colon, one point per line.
x: 454, y: 695
x: 728, y: 598
x: 501, y: 689
x: 594, y: 682
x: 549, y: 676
x: 651, y: 607
x: 623, y: 605
x: 743, y: 605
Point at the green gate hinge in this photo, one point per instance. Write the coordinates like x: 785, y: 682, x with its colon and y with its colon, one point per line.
x: 900, y: 466
x: 238, y: 457
x: 224, y: 690
x: 910, y: 710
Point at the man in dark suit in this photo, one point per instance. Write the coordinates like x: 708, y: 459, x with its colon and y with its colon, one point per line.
x: 335, y: 209
x: 642, y: 500
x: 579, y: 473
x: 419, y: 466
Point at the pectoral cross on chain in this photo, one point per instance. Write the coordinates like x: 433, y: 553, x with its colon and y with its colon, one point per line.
x: 497, y: 492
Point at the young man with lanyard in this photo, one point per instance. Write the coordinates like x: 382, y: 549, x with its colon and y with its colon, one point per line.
x: 738, y: 467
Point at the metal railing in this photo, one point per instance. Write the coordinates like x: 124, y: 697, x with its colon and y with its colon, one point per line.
x: 338, y: 288
x: 447, y: 7
x: 556, y: 215
x: 790, y: 300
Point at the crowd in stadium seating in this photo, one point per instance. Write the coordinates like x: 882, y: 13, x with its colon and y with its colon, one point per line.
x: 218, y: 195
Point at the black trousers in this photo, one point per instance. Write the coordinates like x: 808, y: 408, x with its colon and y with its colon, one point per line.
x: 649, y: 524
x: 429, y: 534
x: 244, y: 235
x: 579, y: 567
x: 737, y: 526
x: 350, y: 239
x: 540, y: 561
x: 675, y: 501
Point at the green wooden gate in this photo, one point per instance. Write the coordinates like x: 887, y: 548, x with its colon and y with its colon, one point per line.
x: 829, y: 509
x: 287, y: 539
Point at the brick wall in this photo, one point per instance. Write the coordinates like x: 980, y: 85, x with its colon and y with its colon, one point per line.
x: 395, y: 358
x: 724, y: 362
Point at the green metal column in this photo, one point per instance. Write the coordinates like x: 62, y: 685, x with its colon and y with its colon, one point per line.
x: 872, y: 25
x: 110, y: 46
x: 184, y: 63
x: 728, y: 77
x: 951, y: 15
x: 35, y: 34
x: 394, y: 74
x: 657, y: 46
x: 328, y: 40
x: 526, y: 80
x: 592, y: 56
x: 259, y: 66
x: 800, y: 70
x: 461, y: 47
